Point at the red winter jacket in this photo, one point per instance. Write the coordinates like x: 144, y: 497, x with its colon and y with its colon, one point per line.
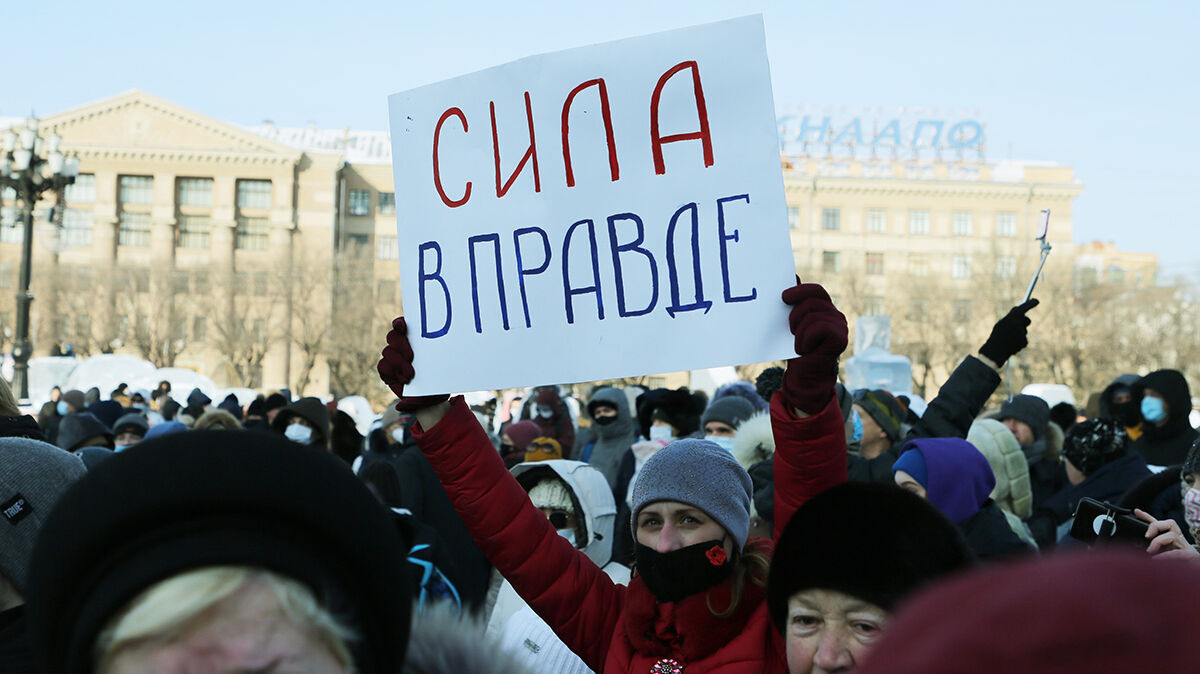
x: 616, y: 628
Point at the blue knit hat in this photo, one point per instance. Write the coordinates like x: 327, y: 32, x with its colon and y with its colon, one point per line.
x: 701, y: 474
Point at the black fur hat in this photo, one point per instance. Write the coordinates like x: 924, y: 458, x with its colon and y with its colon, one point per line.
x: 681, y: 408
x: 876, y: 542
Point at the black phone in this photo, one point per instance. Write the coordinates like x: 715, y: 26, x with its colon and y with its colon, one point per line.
x: 1100, y: 522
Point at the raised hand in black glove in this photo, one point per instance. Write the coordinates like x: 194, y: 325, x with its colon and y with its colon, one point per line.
x: 821, y: 336
x: 1009, y: 335
x: 396, y: 369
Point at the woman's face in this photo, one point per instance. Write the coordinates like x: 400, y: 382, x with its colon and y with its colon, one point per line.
x: 828, y: 631
x: 671, y: 525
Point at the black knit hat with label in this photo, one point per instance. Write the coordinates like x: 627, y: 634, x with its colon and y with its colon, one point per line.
x: 214, y: 498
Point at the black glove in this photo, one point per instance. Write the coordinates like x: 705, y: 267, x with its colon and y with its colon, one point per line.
x: 1009, y: 334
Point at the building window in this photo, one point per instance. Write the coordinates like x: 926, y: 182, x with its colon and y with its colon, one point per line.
x: 831, y: 219
x: 77, y: 227
x: 83, y: 190
x: 872, y: 306
x: 918, y: 265
x: 136, y: 190
x: 831, y: 262
x: 1006, y: 267
x: 962, y: 224
x: 357, y: 243
x: 194, y: 231
x: 179, y: 283
x: 918, y: 222
x: 962, y: 311
x: 1006, y: 224
x: 199, y: 329
x: 135, y: 230
x: 254, y: 194
x: 794, y: 217
x: 387, y: 203
x: 874, y: 264
x: 251, y: 234
x: 360, y: 202
x: 876, y: 221
x: 195, y: 192
x: 960, y: 266
x: 389, y: 248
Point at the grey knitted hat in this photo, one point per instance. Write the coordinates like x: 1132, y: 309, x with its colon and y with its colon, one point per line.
x: 701, y: 474
x: 33, y: 475
x: 730, y: 410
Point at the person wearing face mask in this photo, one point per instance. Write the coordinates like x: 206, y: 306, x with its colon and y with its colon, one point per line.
x: 721, y: 420
x: 613, y: 431
x: 697, y: 601
x: 576, y: 500
x: 846, y: 560
x: 1116, y: 402
x: 515, y: 439
x: 68, y: 403
x: 1165, y: 402
x: 129, y: 430
x: 549, y: 411
x: 304, y: 422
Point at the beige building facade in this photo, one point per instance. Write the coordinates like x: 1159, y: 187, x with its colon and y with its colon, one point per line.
x: 237, y: 251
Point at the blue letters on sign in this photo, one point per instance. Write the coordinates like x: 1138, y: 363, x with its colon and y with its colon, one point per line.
x: 522, y: 272
x: 634, y: 246
x: 495, y: 239
x: 569, y: 292
x: 673, y: 273
x: 725, y: 239
x: 436, y: 275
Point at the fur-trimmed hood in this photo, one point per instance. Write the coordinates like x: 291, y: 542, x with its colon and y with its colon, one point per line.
x: 754, y: 442
x: 443, y: 643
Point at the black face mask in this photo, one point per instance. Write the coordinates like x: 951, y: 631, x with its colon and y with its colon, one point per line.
x: 1126, y: 413
x: 604, y: 421
x: 681, y: 573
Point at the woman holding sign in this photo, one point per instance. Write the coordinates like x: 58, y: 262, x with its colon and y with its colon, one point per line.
x: 697, y: 602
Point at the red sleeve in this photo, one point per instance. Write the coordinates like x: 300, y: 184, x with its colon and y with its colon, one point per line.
x: 810, y: 456
x: 562, y: 585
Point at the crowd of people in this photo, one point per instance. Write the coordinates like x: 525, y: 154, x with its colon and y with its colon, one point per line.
x: 781, y: 525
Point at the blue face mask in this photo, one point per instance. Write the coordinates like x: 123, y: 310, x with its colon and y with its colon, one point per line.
x: 662, y: 433
x: 721, y: 441
x: 1152, y: 409
x: 858, y: 431
x: 61, y: 408
x: 121, y: 448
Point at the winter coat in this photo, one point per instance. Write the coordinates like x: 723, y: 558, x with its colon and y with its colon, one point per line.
x: 616, y: 628
x: 754, y: 447
x: 519, y: 630
x: 1013, y: 493
x: 311, y: 410
x: 1160, y: 495
x: 423, y: 495
x: 991, y: 537
x: 613, y: 439
x: 1168, y: 444
x: 1107, y: 484
x: 559, y: 425
x: 949, y: 415
x: 1047, y: 476
x: 16, y: 655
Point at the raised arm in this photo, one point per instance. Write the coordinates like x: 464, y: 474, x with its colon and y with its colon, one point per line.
x: 964, y: 394
x: 577, y: 599
x: 810, y: 435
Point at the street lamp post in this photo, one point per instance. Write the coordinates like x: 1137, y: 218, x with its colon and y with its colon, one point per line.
x: 30, y: 175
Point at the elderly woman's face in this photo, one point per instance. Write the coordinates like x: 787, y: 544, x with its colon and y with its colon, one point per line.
x: 828, y: 631
x: 248, y: 632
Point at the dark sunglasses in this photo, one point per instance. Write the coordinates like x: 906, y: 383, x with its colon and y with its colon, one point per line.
x: 558, y: 519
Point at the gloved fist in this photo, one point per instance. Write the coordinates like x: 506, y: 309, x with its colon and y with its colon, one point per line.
x: 396, y: 369
x: 1009, y: 334
x: 821, y: 336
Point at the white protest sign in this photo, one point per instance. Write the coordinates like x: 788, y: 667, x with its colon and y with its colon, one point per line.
x: 600, y: 212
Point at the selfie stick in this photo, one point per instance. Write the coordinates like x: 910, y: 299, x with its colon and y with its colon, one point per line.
x: 1045, y: 247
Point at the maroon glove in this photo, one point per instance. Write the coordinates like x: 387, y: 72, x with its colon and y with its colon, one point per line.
x: 396, y: 370
x: 821, y: 336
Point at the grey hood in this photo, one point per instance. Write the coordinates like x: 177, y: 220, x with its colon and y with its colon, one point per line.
x: 596, y: 511
x: 613, y: 439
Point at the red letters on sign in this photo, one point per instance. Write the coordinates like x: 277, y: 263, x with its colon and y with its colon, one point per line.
x: 703, y: 135
x: 437, y: 173
x: 530, y: 153
x: 608, y: 129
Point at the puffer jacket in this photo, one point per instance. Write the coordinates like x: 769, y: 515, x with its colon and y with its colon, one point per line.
x: 949, y: 415
x: 623, y: 629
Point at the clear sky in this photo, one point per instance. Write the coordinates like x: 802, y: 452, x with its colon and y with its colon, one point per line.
x: 1109, y: 88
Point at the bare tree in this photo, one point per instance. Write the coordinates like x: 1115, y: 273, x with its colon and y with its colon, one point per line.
x: 244, y: 321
